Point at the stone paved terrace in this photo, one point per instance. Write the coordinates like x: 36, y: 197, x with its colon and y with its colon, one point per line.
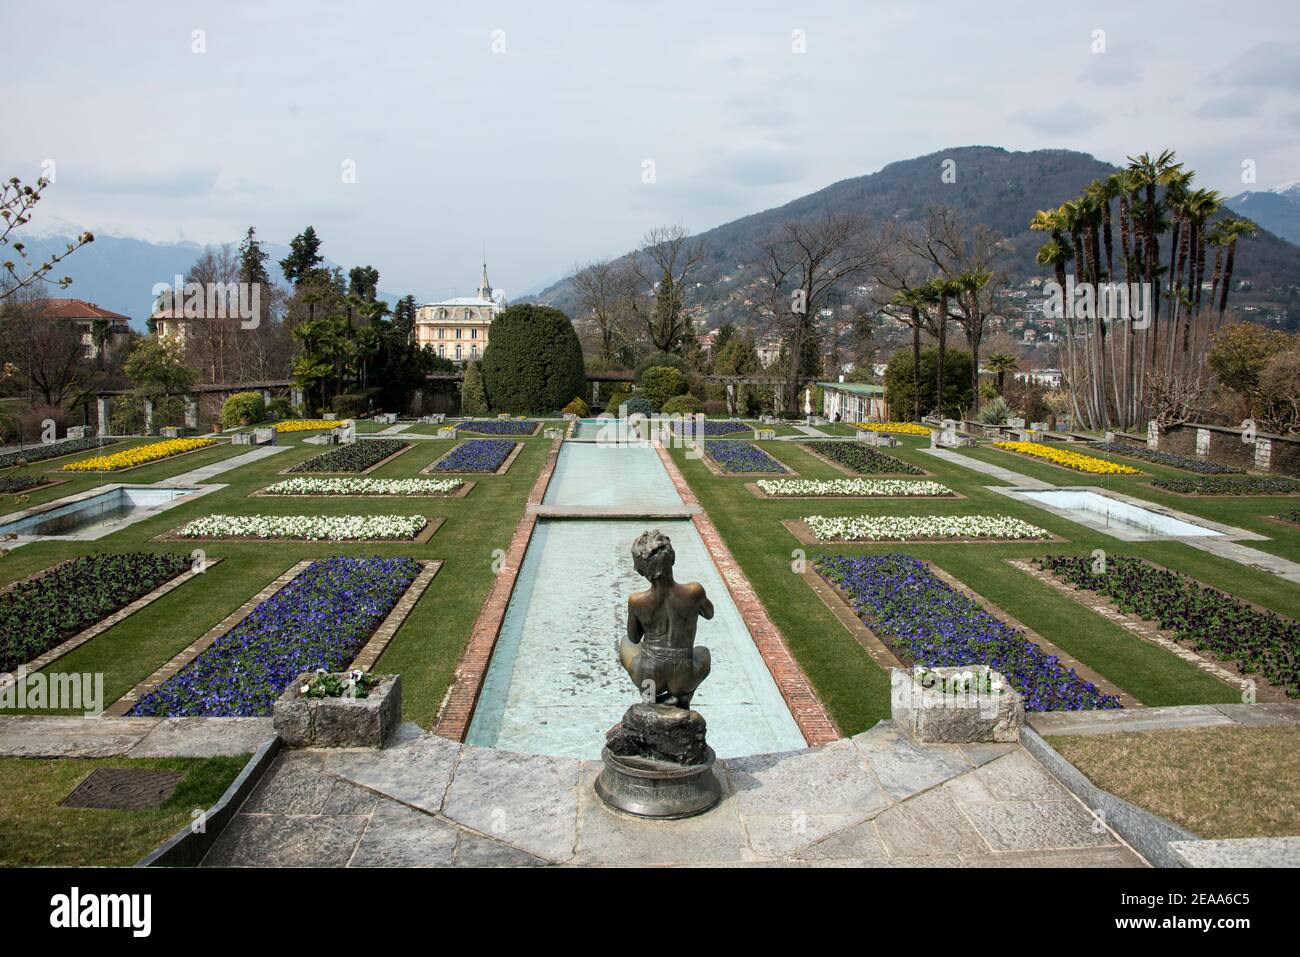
x: 875, y: 800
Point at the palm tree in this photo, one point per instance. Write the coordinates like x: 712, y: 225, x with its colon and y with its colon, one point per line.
x: 1233, y: 229
x: 915, y: 301
x: 970, y: 285
x: 1002, y: 363
x: 941, y: 290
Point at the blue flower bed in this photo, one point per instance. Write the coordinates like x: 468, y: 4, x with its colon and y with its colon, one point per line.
x: 477, y: 455
x: 711, y: 427
x: 741, y: 457
x: 935, y: 626
x: 321, y: 619
x: 500, y: 426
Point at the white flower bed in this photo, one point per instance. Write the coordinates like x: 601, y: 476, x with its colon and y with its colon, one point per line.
x: 848, y: 486
x: 334, y: 528
x: 364, y: 486
x: 891, y: 527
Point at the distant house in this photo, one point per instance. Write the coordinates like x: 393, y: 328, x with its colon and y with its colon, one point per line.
x: 95, y: 324
x: 1051, y: 378
x: 768, y: 351
x: 854, y: 402
x: 457, y: 329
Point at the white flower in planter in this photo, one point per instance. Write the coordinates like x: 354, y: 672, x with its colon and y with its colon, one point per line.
x: 851, y: 486
x: 888, y: 527
x: 363, y: 486
x: 333, y: 528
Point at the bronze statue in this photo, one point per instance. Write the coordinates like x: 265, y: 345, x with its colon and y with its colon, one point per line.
x: 659, y: 652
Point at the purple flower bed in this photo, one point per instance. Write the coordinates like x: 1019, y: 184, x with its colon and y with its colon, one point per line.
x: 711, y: 427
x: 499, y: 426
x: 741, y: 457
x: 477, y: 455
x: 321, y: 619
x: 935, y: 626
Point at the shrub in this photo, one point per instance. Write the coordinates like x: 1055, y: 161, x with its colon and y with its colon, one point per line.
x: 533, y: 361
x: 995, y: 412
x: 617, y: 398
x: 661, y: 383
x: 577, y: 407
x: 242, y: 408
x: 280, y: 408
x: 715, y: 407
x: 473, y: 400
x: 682, y: 405
x: 956, y: 381
x: 660, y: 360
x: 352, y: 405
x: 638, y: 403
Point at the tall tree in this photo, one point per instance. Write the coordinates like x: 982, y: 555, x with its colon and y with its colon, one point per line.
x: 662, y: 267
x: 304, y: 256
x: 363, y: 282
x: 604, y: 289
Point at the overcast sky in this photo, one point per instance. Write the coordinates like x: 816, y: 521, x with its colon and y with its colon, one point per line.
x: 527, y: 126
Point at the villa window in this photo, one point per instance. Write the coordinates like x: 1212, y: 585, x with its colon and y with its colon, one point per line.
x: 473, y: 351
x: 458, y: 351
x: 473, y: 334
x: 441, y: 332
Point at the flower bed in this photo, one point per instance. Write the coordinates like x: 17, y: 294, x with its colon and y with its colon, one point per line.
x: 861, y: 458
x: 1258, y: 641
x: 320, y: 620
x: 363, y: 486
x: 1203, y: 466
x: 931, y: 624
x: 38, y: 614
x: 140, y: 455
x: 477, y: 455
x: 13, y: 484
x: 711, y: 427
x: 306, y: 425
x: 741, y: 457
x: 1071, y: 460
x: 1291, y: 515
x: 876, y: 528
x: 896, y: 428
x: 52, y: 450
x: 833, y: 487
x: 1250, y: 485
x: 309, y: 528
x: 500, y: 426
x: 354, y: 457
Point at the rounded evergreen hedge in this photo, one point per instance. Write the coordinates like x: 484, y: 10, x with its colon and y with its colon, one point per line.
x: 533, y: 361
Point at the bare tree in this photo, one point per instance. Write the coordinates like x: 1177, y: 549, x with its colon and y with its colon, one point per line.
x: 16, y: 202
x: 805, y: 265
x: 605, y: 289
x: 44, y: 356
x: 661, y: 268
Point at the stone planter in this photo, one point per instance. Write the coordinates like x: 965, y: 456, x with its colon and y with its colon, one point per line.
x: 955, y: 705
x: 264, y: 436
x: 338, y: 722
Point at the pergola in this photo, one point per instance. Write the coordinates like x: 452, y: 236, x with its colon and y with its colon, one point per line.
x: 103, y: 399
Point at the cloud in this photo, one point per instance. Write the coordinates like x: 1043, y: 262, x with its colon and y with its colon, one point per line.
x: 1069, y: 117
x: 758, y: 167
x: 1230, y: 106
x: 1112, y: 68
x: 1269, y: 66
x: 174, y: 182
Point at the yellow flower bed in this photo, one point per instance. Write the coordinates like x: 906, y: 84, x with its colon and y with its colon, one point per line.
x: 1071, y: 460
x: 140, y: 455
x: 306, y: 425
x: 899, y: 428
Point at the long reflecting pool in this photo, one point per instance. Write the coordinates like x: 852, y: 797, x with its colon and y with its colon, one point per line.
x: 554, y: 685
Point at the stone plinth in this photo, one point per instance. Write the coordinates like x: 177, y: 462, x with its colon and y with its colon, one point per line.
x: 657, y: 764
x: 955, y: 705
x: 303, y: 722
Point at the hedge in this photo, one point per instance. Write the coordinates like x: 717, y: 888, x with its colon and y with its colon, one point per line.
x: 533, y: 362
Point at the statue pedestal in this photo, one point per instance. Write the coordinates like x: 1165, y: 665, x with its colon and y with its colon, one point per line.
x: 658, y: 789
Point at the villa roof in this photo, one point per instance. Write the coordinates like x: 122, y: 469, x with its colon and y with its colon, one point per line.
x: 464, y: 301
x: 79, y: 309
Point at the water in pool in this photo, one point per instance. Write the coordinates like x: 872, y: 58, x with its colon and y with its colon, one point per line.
x: 555, y: 685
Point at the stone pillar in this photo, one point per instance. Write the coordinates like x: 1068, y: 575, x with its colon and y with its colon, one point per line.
x: 148, y: 416
x: 1202, y: 442
x: 731, y: 398
x: 595, y: 393
x: 1263, y: 454
x: 191, y: 412
x: 101, y: 406
x: 266, y: 396
x: 295, y: 396
x: 1153, y: 434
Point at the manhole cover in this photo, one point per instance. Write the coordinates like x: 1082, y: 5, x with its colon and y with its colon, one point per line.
x: 124, y: 789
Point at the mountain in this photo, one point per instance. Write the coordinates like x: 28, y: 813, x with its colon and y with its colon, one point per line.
x: 999, y: 188
x: 1277, y: 209
x: 119, y: 273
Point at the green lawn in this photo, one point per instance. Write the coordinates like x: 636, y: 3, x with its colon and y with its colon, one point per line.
x: 857, y: 692
x: 425, y: 649
x: 36, y: 832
